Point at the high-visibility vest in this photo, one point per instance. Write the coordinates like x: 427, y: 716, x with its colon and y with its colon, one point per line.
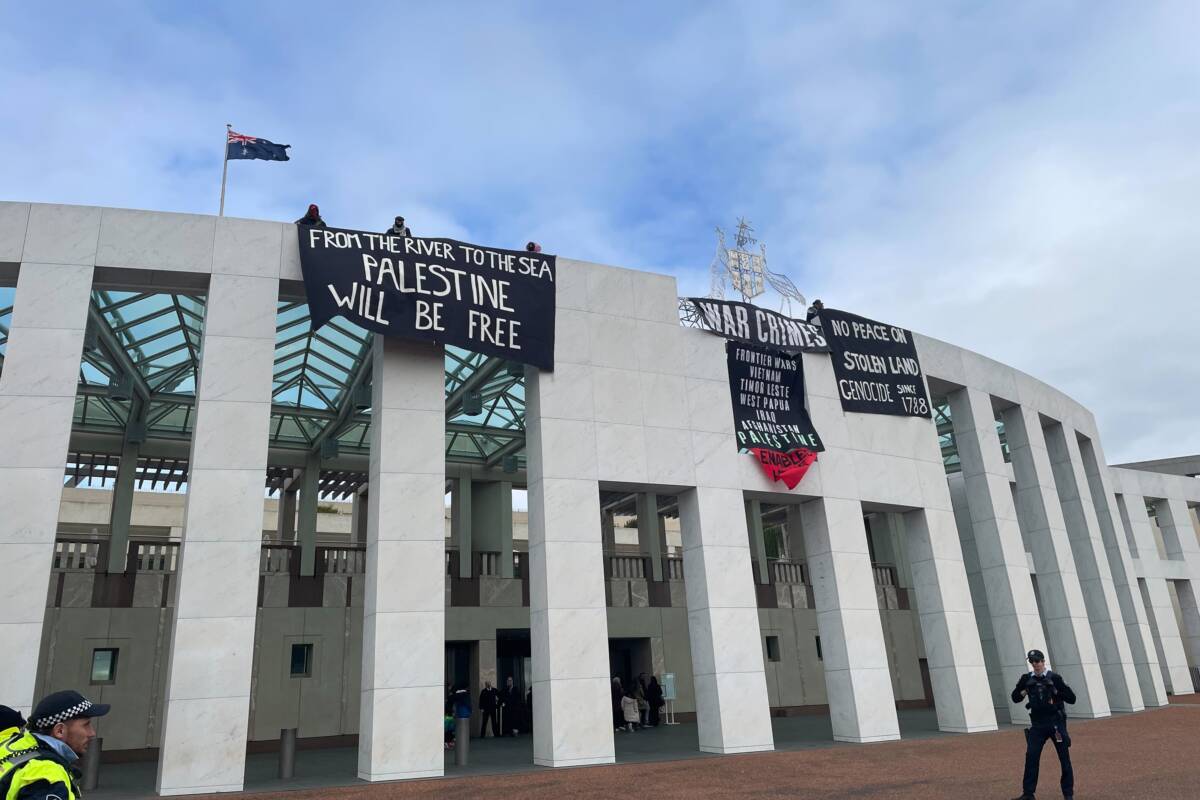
x: 23, y: 761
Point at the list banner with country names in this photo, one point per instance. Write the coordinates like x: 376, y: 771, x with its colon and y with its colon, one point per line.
x: 744, y: 322
x: 490, y: 301
x: 876, y: 366
x: 767, y: 388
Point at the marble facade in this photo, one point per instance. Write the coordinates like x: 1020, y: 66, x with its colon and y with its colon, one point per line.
x: 1061, y: 547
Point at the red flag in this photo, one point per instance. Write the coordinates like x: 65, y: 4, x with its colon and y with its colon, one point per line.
x: 787, y: 467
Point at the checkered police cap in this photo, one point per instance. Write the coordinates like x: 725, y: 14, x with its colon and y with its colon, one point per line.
x: 62, y: 707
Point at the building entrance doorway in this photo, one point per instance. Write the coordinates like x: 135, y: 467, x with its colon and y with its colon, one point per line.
x: 458, y: 665
x: 628, y: 658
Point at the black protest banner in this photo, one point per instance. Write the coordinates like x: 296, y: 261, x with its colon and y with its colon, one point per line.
x: 748, y: 323
x: 495, y: 302
x: 876, y: 366
x: 767, y: 388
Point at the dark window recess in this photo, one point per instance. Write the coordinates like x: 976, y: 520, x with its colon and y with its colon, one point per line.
x: 820, y: 657
x: 104, y: 665
x: 302, y: 656
x: 773, y: 648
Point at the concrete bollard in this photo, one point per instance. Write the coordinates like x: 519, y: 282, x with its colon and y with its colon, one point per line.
x: 91, y: 764
x: 287, y: 752
x: 462, y: 740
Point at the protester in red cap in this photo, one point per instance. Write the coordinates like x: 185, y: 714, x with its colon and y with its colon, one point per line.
x: 312, y: 217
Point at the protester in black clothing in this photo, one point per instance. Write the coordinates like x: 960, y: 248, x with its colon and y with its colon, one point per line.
x: 814, y: 312
x: 511, y: 705
x: 1046, y: 692
x: 489, y: 707
x: 312, y: 217
x: 533, y: 247
x: 654, y: 696
x: 398, y: 228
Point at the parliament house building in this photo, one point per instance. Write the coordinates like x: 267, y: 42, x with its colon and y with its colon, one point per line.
x: 227, y: 524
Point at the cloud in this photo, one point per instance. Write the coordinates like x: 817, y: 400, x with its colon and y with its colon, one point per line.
x: 1018, y: 178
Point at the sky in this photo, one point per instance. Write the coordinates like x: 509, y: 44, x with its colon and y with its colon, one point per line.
x: 1020, y: 179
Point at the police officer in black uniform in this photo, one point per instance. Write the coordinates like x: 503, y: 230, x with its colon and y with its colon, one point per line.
x: 1045, y: 693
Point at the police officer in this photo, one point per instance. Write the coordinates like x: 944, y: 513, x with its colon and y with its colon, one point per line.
x: 1046, y: 692
x: 41, y: 764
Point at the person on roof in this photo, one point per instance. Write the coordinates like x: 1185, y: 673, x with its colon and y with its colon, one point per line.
x: 312, y: 217
x: 398, y: 228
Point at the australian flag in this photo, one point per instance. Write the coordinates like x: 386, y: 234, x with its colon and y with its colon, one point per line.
x: 239, y: 145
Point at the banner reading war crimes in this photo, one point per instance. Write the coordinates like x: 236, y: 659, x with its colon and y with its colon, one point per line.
x: 495, y: 302
x: 749, y: 323
x: 768, y: 400
x: 876, y: 366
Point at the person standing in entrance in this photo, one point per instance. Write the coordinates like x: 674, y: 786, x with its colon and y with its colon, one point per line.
x: 489, y: 706
x: 1046, y: 692
x: 629, y: 710
x: 618, y: 694
x: 654, y: 696
x: 510, y: 704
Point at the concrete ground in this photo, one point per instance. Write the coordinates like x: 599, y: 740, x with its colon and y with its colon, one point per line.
x: 1155, y: 754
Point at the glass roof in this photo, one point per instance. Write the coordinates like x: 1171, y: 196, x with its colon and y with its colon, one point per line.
x: 945, y: 431
x: 142, y: 353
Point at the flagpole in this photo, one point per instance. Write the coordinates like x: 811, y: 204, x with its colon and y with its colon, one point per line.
x: 225, y: 169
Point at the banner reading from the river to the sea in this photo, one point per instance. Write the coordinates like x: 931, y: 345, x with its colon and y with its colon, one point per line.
x: 490, y: 301
x: 876, y: 366
x: 748, y: 323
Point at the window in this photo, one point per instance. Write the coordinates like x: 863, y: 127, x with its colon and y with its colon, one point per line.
x: 104, y: 665
x: 773, y: 648
x: 302, y: 657
x: 820, y: 657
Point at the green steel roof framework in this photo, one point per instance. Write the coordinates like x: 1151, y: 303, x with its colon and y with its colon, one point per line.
x: 320, y: 379
x: 945, y: 434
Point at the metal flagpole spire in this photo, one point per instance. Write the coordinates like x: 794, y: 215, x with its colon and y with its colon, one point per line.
x: 225, y: 169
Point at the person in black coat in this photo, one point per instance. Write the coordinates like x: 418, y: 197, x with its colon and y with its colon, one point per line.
x: 1046, y: 693
x: 312, y: 217
x: 512, y: 704
x: 489, y: 707
x: 654, y: 696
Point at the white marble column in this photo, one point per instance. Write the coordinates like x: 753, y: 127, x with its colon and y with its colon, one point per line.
x: 1095, y: 575
x: 122, y: 508
x: 404, y: 615
x: 732, y: 707
x: 306, y: 517
x: 1129, y: 597
x: 1011, y: 604
x: 1160, y: 611
x: 462, y: 524
x: 758, y: 541
x: 858, y: 681
x: 1179, y: 536
x: 37, y: 400
x: 960, y: 683
x: 568, y: 618
x: 285, y: 523
x: 358, y: 515
x: 204, y: 729
x: 650, y: 532
x: 505, y: 525
x: 1072, y: 651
